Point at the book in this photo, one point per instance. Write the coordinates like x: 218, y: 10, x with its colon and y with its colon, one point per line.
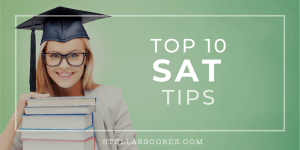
x: 59, y: 121
x: 61, y: 101
x: 80, y: 109
x: 34, y: 144
x: 58, y: 134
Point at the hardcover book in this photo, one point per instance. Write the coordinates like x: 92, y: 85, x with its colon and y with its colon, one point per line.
x: 61, y: 101
x: 58, y: 134
x: 34, y: 144
x: 59, y: 121
x: 80, y: 109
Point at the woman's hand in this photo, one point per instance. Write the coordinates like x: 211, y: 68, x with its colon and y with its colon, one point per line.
x: 23, y: 102
x: 8, y: 134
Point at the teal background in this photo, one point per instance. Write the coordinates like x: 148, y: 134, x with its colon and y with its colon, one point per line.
x: 248, y: 87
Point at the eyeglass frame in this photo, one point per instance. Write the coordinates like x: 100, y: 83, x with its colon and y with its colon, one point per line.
x: 61, y: 58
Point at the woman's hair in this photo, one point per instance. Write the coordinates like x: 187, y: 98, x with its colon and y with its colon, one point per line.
x: 45, y: 84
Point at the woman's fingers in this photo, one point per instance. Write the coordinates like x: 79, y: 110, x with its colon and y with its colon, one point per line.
x: 22, y: 99
x: 24, y: 96
x: 38, y: 95
x: 23, y: 103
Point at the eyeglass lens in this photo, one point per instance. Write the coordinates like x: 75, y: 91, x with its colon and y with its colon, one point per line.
x: 54, y: 59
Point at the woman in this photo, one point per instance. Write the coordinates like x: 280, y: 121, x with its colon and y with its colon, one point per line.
x: 73, y: 77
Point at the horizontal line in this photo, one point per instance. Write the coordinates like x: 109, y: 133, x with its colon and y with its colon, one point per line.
x: 197, y: 15
x: 160, y: 130
x: 151, y: 15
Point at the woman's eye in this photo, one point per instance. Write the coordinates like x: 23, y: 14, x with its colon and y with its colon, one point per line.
x: 54, y: 55
x: 74, y: 55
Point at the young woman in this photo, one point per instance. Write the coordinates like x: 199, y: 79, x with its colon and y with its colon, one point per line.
x: 72, y: 76
x: 65, y: 68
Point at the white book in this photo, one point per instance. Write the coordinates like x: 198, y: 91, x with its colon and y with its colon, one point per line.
x: 88, y: 144
x: 61, y: 101
x: 58, y: 134
x: 63, y: 121
x: 80, y: 109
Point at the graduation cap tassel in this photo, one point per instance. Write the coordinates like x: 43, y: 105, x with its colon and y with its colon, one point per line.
x: 32, y: 77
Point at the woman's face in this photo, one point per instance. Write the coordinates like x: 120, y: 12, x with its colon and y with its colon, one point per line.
x: 65, y: 75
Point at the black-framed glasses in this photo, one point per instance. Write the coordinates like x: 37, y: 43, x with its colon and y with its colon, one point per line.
x: 73, y: 59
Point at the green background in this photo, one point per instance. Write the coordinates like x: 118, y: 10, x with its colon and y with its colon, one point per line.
x: 248, y: 87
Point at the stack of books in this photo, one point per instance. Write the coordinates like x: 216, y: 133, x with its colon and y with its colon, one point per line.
x: 59, y: 123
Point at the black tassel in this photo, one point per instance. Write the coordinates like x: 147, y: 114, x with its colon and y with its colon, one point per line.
x: 32, y: 77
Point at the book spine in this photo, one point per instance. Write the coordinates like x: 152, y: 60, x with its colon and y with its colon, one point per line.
x: 59, y: 129
x: 92, y: 137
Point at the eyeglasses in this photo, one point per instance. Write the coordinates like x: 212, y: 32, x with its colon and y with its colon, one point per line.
x: 73, y: 59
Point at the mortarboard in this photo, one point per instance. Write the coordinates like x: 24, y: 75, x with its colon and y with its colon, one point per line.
x: 59, y: 24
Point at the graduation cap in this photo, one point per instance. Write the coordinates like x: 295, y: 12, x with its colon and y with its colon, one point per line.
x: 59, y: 24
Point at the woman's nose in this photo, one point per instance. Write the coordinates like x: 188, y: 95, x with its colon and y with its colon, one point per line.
x: 64, y: 64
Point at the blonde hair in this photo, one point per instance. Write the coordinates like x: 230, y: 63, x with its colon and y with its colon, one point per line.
x: 44, y: 83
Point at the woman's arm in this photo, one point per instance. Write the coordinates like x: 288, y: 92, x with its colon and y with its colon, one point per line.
x: 7, y: 136
x: 123, y: 122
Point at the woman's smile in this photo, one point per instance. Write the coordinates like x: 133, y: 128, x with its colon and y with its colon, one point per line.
x: 65, y: 75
